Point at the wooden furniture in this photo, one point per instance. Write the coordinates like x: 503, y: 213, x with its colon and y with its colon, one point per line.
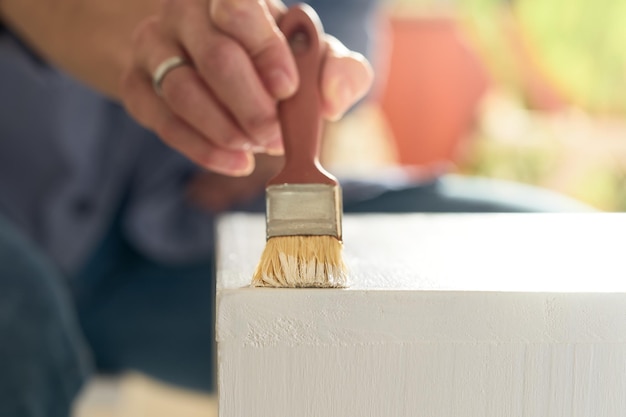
x: 447, y: 315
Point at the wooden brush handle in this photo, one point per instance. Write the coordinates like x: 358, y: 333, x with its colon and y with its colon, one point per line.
x: 301, y: 114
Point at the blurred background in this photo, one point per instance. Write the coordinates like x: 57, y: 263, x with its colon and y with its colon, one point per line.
x: 531, y: 91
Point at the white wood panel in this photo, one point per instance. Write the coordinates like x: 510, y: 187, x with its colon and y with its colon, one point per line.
x: 446, y: 315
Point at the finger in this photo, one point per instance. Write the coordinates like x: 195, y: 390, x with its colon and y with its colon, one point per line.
x: 226, y: 69
x: 190, y: 99
x: 347, y: 77
x: 186, y: 140
x: 276, y: 8
x: 185, y: 93
x: 149, y: 110
x: 252, y: 23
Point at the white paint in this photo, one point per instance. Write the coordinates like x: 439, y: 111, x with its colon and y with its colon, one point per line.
x: 447, y: 315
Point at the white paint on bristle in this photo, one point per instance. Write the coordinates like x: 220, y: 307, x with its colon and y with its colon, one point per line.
x: 301, y: 262
x: 447, y: 315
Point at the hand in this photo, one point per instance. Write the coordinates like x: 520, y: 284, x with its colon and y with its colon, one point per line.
x: 221, y: 108
x: 216, y: 193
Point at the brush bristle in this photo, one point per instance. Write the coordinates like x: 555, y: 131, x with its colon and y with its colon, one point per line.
x: 301, y: 261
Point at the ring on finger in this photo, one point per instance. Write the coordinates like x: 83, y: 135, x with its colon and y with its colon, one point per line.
x: 163, y: 69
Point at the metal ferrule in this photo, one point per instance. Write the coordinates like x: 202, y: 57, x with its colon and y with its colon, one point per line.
x: 304, y: 209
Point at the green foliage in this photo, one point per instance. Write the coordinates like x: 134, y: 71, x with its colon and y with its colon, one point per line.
x: 581, y: 43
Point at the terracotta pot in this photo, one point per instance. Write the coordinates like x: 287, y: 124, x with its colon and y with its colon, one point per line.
x: 434, y: 85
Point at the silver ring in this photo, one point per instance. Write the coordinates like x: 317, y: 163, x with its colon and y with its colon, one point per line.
x: 163, y: 69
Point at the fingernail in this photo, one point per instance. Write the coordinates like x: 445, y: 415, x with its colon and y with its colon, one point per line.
x: 240, y: 166
x: 281, y: 84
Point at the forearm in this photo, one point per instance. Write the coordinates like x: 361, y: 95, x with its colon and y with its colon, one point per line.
x: 89, y: 39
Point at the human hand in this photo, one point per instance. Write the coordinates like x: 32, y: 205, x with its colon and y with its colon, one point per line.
x: 220, y: 108
x: 216, y: 193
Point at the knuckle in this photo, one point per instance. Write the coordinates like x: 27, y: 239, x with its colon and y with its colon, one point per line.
x: 221, y: 56
x: 231, y: 13
x: 145, y: 33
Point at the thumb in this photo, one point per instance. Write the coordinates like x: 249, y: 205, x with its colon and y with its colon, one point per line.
x: 347, y: 76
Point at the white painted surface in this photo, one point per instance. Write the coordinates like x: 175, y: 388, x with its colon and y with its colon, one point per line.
x: 447, y: 315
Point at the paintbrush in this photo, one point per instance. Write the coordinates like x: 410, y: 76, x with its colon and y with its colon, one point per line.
x: 304, y: 207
